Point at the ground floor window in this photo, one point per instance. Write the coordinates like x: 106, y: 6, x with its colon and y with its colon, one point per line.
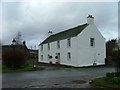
x: 41, y: 57
x: 69, y: 56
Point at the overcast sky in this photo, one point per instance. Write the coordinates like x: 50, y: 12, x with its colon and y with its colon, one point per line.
x: 35, y: 19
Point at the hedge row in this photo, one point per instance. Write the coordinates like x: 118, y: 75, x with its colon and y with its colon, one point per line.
x: 112, y: 74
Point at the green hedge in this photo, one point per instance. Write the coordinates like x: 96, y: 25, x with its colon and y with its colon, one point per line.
x: 112, y: 74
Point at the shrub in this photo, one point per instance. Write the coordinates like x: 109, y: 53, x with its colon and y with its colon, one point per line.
x: 56, y: 57
x: 112, y: 74
x: 57, y: 63
x: 117, y: 74
x: 50, y: 57
x: 13, y: 58
x: 50, y: 62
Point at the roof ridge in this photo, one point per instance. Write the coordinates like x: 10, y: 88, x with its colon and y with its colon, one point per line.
x: 69, y: 29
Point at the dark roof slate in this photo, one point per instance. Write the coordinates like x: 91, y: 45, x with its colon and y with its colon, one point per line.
x: 65, y: 34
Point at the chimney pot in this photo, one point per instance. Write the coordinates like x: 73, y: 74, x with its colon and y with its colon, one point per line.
x: 50, y: 33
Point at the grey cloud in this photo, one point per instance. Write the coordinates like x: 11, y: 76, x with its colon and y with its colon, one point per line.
x: 34, y: 21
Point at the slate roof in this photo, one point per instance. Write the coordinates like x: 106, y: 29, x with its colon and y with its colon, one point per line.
x: 65, y: 34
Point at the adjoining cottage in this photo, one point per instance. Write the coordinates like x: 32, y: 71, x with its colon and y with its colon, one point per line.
x: 16, y: 46
x: 80, y: 46
x: 29, y: 53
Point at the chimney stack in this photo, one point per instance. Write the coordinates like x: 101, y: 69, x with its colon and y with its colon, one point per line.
x: 50, y: 33
x: 90, y: 20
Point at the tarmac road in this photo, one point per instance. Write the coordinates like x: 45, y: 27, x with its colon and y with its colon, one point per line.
x: 54, y: 77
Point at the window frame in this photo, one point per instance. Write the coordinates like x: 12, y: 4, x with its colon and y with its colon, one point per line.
x: 41, y: 47
x: 68, y: 56
x: 48, y: 46
x: 58, y: 44
x: 92, y: 42
x: 69, y: 42
x: 41, y: 57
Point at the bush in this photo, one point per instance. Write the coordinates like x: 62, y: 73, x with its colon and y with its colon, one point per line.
x: 117, y: 74
x: 56, y: 57
x: 57, y: 63
x: 50, y: 57
x: 50, y: 62
x: 112, y: 74
x: 13, y: 58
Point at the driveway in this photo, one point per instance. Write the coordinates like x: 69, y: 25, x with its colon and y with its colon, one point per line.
x: 54, y: 77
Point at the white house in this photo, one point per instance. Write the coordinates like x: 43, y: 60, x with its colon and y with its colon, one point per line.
x: 80, y: 46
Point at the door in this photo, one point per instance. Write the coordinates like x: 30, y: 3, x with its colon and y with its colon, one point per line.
x: 58, y: 57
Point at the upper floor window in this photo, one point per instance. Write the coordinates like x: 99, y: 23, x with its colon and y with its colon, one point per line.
x: 58, y: 44
x: 69, y: 55
x: 41, y: 47
x: 92, y: 42
x: 48, y: 46
x: 69, y: 42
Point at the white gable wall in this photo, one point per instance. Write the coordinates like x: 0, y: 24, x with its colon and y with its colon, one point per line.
x: 87, y: 54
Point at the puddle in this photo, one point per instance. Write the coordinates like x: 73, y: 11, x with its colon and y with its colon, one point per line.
x: 79, y: 81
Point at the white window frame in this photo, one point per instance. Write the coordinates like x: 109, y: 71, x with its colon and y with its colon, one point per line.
x: 58, y: 44
x: 41, y: 47
x: 92, y: 42
x: 68, y: 56
x: 69, y: 42
x: 48, y: 46
x: 41, y: 57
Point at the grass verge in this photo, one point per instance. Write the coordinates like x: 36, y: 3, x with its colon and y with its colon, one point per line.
x: 106, y: 82
x: 23, y: 68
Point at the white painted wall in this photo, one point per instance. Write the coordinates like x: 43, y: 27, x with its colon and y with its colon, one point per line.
x: 88, y: 54
x: 64, y: 49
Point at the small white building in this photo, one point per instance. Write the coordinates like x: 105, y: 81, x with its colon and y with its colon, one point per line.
x: 80, y: 46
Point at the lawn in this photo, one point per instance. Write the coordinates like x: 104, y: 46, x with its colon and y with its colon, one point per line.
x: 22, y: 69
x: 106, y: 82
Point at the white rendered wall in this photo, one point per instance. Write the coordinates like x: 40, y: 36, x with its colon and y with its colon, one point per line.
x: 87, y: 54
x: 64, y: 49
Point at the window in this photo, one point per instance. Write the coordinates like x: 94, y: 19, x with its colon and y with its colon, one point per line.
x: 69, y: 56
x: 41, y: 47
x: 41, y: 57
x: 58, y: 44
x: 69, y: 42
x: 48, y: 46
x: 48, y: 57
x: 92, y: 42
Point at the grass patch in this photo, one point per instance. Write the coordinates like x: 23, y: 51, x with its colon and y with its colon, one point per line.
x: 106, y: 82
x: 22, y: 69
